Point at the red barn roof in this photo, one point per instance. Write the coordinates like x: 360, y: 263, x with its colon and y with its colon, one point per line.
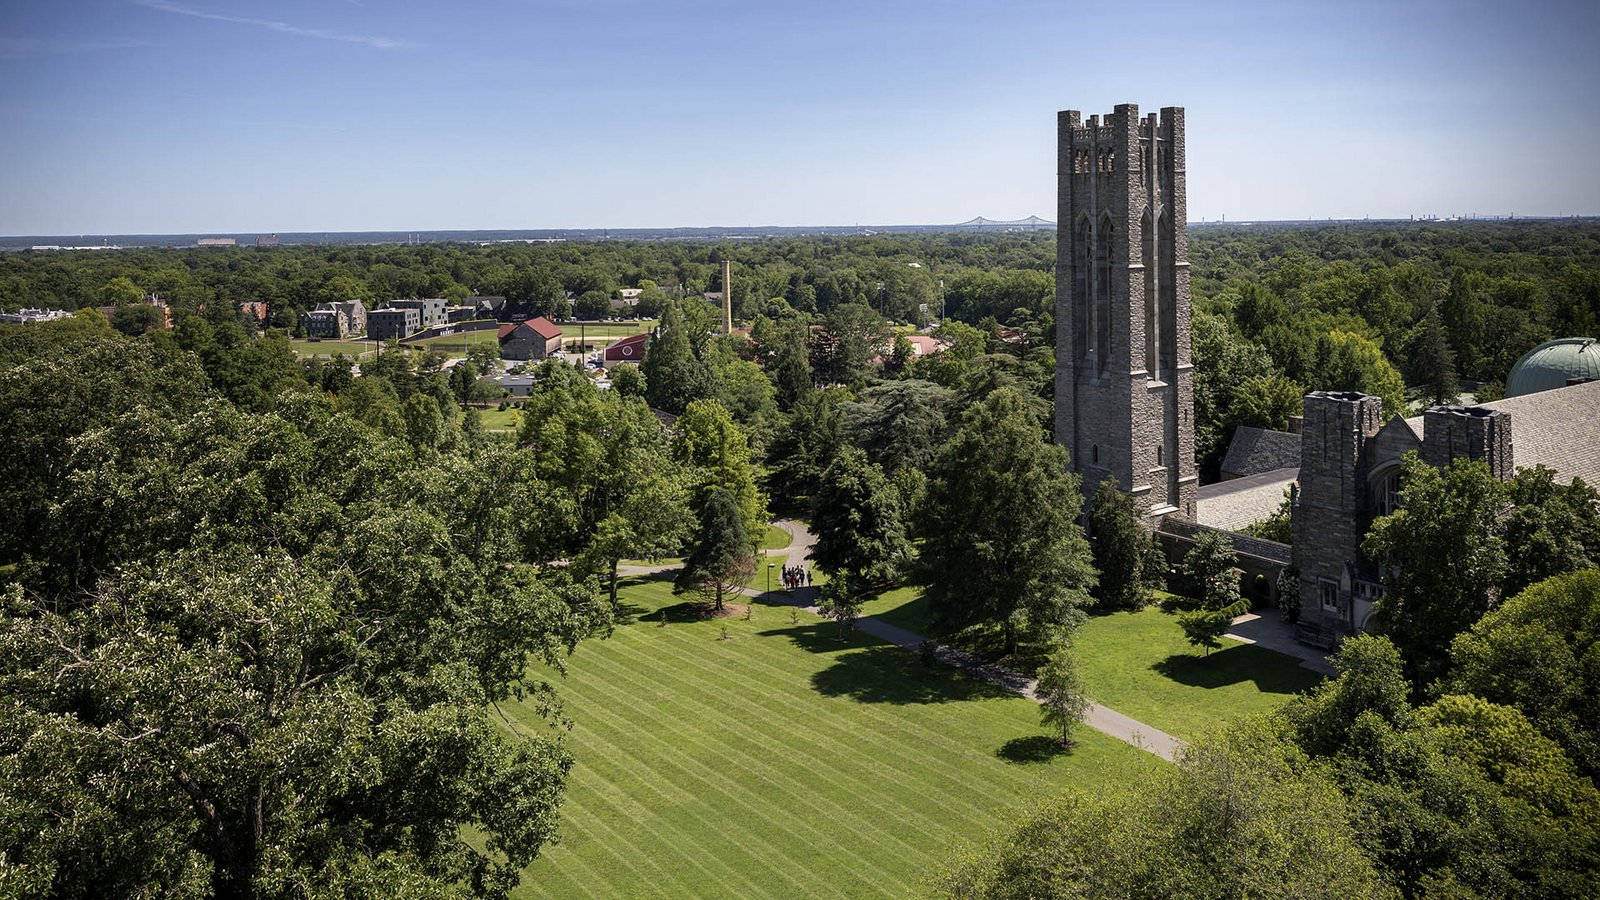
x: 544, y: 327
x: 539, y: 325
x: 628, y: 349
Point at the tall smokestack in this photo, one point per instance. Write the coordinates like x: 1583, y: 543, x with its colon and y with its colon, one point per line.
x: 727, y: 297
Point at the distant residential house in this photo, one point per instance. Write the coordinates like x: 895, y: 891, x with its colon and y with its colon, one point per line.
x: 393, y: 322
x: 490, y: 306
x: 30, y: 315
x: 625, y: 350
x: 453, y: 314
x: 432, y: 310
x: 110, y: 312
x: 626, y: 300
x: 536, y: 338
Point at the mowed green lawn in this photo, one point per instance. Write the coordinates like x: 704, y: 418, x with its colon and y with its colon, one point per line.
x: 783, y: 762
x: 501, y: 419
x: 1140, y: 664
x: 329, y: 348
x: 776, y: 538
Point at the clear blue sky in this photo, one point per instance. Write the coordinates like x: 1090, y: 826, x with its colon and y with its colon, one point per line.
x: 292, y: 115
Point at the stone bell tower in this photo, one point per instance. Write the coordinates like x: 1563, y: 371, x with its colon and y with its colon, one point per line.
x: 1124, y: 382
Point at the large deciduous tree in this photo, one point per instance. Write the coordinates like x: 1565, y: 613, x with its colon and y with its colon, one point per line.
x: 856, y: 518
x: 1242, y: 815
x: 1540, y: 652
x: 228, y: 726
x: 1445, y: 559
x: 1002, y: 542
x: 707, y: 438
x: 1462, y: 797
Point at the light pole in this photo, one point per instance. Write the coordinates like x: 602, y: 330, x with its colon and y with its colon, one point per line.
x: 770, y: 567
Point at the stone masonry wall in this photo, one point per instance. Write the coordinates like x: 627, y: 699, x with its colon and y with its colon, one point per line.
x: 1124, y: 381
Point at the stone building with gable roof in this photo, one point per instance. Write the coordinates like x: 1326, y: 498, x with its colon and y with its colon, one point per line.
x: 1125, y: 399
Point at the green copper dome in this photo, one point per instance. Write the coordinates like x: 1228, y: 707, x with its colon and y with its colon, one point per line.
x: 1554, y: 363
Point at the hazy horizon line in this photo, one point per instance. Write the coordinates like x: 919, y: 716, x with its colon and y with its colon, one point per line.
x: 993, y: 223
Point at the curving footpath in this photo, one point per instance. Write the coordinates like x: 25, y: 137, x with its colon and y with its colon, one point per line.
x: 1100, y: 718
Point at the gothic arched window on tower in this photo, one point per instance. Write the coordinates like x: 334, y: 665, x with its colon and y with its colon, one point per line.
x: 1082, y: 324
x: 1102, y: 293
x: 1152, y: 319
x: 1167, y: 309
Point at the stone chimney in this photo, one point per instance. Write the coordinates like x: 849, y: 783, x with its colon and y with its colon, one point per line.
x: 1471, y: 432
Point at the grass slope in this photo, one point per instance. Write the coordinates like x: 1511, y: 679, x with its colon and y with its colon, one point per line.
x: 1139, y: 664
x: 783, y: 762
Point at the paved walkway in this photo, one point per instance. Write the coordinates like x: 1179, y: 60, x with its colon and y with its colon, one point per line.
x: 1100, y: 718
x: 1271, y: 632
x: 1265, y: 631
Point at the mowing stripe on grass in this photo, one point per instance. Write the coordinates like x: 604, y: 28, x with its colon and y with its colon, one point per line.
x: 777, y: 765
x: 833, y: 811
x: 853, y: 739
x: 702, y: 774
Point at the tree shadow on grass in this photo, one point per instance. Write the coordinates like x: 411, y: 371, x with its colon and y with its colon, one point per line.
x: 1036, y: 748
x: 1271, y: 672
x: 870, y: 671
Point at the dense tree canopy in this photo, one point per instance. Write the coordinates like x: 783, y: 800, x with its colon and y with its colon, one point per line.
x: 1002, y: 545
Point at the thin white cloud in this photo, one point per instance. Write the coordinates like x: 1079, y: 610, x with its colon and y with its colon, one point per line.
x: 370, y: 40
x: 22, y: 48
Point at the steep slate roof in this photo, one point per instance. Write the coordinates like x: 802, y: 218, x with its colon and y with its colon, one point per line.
x: 1233, y: 504
x: 1558, y: 428
x: 1256, y: 450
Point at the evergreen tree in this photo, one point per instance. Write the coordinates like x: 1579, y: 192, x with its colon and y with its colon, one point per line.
x: 1433, y: 362
x: 674, y: 376
x: 789, y: 365
x: 901, y: 423
x: 1121, y: 544
x: 720, y: 558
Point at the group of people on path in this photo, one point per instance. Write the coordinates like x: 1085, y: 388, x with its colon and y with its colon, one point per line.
x: 796, y: 577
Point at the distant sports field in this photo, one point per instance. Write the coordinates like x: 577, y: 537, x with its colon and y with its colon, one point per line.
x: 329, y: 348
